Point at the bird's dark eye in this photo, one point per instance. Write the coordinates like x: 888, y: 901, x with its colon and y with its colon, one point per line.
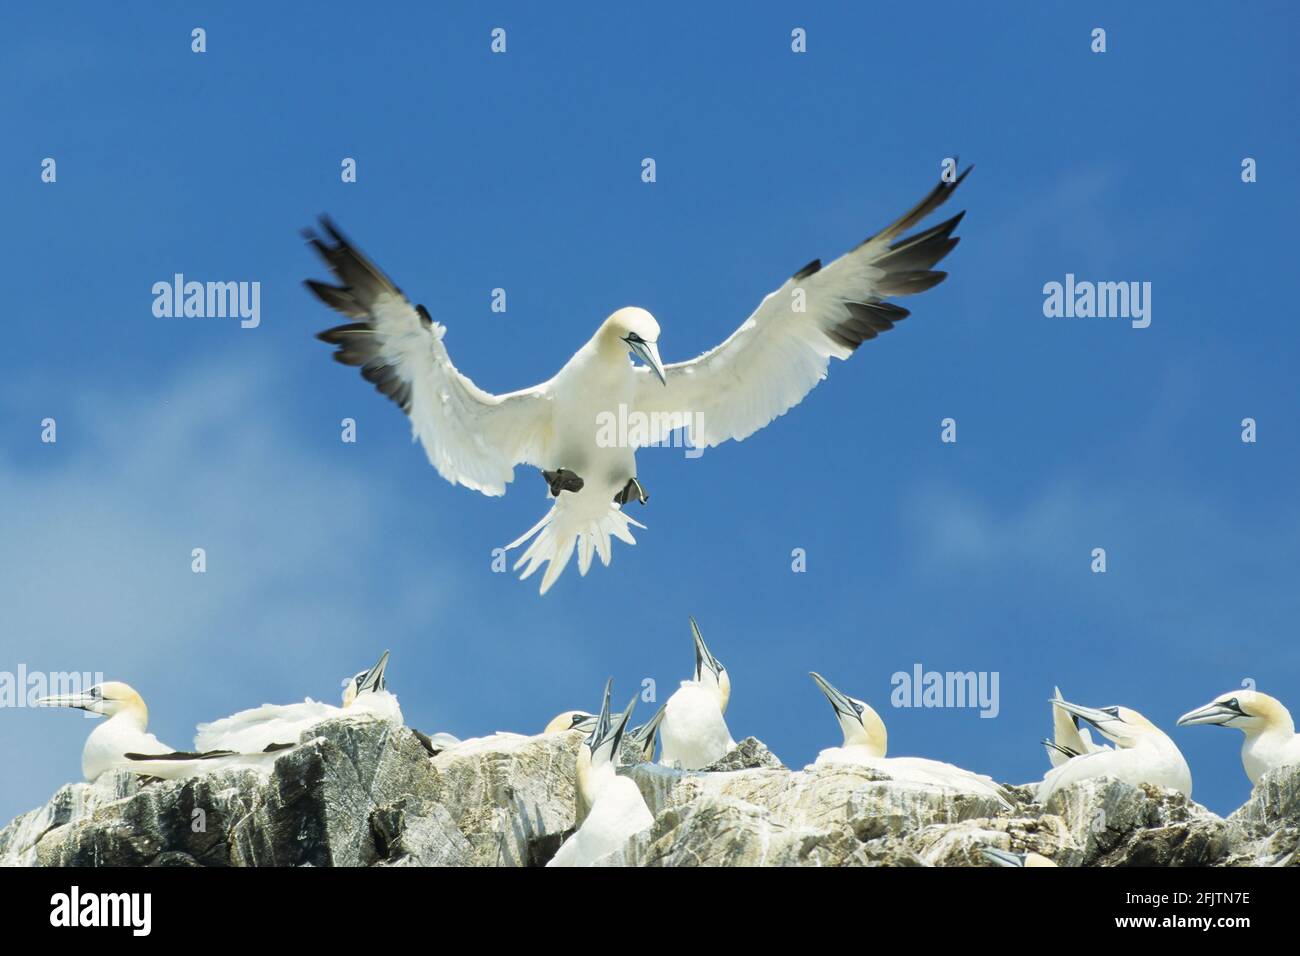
x: 1233, y: 703
x: 633, y: 337
x: 1113, y: 711
x: 858, y: 708
x: 96, y: 692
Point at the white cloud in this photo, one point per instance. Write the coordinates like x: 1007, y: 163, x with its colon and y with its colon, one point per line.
x: 96, y: 538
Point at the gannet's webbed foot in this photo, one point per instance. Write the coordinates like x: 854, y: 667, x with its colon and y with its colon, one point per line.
x: 562, y: 480
x: 632, y: 489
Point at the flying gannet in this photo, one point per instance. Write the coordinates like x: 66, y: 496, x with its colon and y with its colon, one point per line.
x: 1143, y: 754
x: 475, y: 438
x: 1271, y: 740
x: 123, y: 741
x: 1000, y: 857
x: 259, y: 727
x: 866, y: 742
x: 617, y: 810
x: 693, y: 732
x: 1068, y: 738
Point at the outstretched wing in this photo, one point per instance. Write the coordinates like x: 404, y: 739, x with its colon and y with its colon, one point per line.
x: 473, y: 438
x: 783, y: 350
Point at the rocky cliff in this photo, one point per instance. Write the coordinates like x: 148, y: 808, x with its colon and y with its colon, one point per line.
x: 361, y: 792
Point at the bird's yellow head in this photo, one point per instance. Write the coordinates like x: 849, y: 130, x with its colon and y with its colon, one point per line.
x: 709, y: 672
x: 571, y: 720
x: 1122, y: 725
x: 368, y: 681
x: 1247, y: 710
x: 859, y: 721
x: 634, y: 330
x: 108, y: 699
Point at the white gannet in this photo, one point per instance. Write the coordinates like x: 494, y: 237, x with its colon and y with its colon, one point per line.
x: 123, y: 742
x: 1143, y: 754
x: 1271, y: 740
x: 565, y: 425
x: 571, y: 720
x: 1068, y: 738
x: 1000, y: 857
x: 693, y: 732
x: 253, y: 730
x: 124, y: 731
x: 866, y: 743
x: 617, y: 810
x: 647, y: 734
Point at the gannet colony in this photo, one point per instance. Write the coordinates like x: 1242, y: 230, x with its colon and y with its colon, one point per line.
x: 314, y: 783
x: 350, y: 784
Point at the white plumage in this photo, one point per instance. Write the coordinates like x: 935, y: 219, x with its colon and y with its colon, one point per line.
x: 616, y: 809
x: 1143, y: 754
x: 122, y: 742
x: 1270, y: 738
x: 866, y: 743
x: 1069, y: 738
x: 693, y: 733
x: 475, y: 438
x: 253, y: 730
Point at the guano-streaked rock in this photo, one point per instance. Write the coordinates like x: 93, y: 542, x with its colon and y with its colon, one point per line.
x: 361, y: 792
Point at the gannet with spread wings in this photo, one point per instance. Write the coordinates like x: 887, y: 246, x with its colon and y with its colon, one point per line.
x: 475, y: 438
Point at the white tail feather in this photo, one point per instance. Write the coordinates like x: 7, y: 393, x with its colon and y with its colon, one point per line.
x: 565, y: 529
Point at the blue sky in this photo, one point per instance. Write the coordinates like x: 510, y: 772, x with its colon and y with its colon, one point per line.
x: 522, y: 171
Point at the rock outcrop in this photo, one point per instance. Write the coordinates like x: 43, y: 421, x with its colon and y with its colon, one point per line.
x: 362, y: 792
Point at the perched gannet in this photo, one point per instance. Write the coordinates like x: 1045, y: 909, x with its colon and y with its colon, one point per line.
x: 692, y: 731
x: 617, y: 810
x: 565, y: 426
x: 1143, y: 754
x: 124, y: 731
x: 866, y: 742
x: 253, y: 730
x: 1271, y: 740
x: 1069, y: 739
x: 999, y: 857
x: 122, y: 742
x: 571, y: 720
x: 646, y: 735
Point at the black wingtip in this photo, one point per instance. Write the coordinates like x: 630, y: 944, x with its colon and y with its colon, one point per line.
x: 811, y: 268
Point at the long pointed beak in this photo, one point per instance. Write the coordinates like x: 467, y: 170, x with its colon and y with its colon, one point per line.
x: 604, y: 739
x: 375, y: 679
x: 601, y: 729
x: 1109, y: 724
x: 1092, y: 715
x: 79, y: 701
x: 703, y: 657
x: 645, y: 734
x: 1056, y: 698
x: 841, y: 703
x: 621, y: 724
x: 648, y: 352
x: 1215, y: 713
x: 1065, y: 752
